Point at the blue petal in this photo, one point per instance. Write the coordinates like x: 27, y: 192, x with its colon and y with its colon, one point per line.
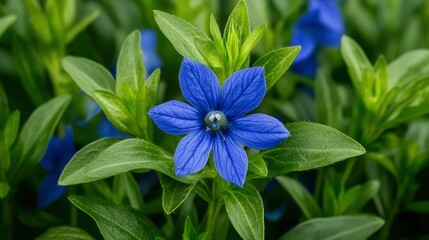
x: 304, y: 34
x: 148, y: 42
x: 306, y: 68
x: 242, y: 92
x: 177, y: 118
x: 49, y: 191
x: 199, y: 85
x: 192, y: 153
x: 106, y: 129
x: 59, y: 151
x: 230, y: 160
x: 258, y: 131
x: 329, y: 19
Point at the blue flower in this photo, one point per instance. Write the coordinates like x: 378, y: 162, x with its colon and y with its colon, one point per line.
x: 215, y: 120
x: 321, y: 26
x: 57, y: 155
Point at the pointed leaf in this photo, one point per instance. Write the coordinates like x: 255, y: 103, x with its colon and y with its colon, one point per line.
x: 4, y: 189
x: 65, y: 232
x: 336, y: 228
x: 245, y: 210
x: 310, y: 146
x: 115, y: 221
x: 81, y: 25
x: 239, y: 20
x: 174, y: 193
x: 11, y: 128
x: 257, y: 165
x: 5, y: 22
x: 276, y: 63
x: 356, y: 197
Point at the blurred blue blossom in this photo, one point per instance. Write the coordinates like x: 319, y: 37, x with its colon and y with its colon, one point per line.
x: 151, y: 61
x: 215, y: 120
x: 57, y: 155
x: 321, y: 26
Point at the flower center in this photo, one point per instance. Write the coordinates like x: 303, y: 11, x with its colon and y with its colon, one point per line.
x: 215, y: 120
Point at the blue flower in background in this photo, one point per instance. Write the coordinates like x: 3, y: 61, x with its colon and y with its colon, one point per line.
x: 57, y: 155
x: 321, y: 26
x: 215, y: 120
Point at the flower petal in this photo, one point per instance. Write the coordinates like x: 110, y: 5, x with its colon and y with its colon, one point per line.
x: 49, y: 191
x: 192, y: 153
x: 176, y: 117
x: 199, y: 85
x: 242, y: 92
x: 258, y: 131
x: 106, y: 129
x: 230, y: 160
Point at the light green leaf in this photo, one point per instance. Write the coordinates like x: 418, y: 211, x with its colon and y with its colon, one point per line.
x: 310, y: 146
x: 336, y: 228
x: 151, y: 89
x: 34, y: 137
x: 301, y: 196
x: 249, y: 43
x: 37, y: 19
x: 210, y: 53
x: 181, y: 34
x: 409, y: 67
x: 257, y: 165
x: 215, y: 31
x: 174, y: 193
x: 88, y: 75
x: 73, y: 172
x: 130, y: 70
x: 356, y: 197
x: 4, y: 189
x: 239, y: 20
x: 116, y: 111
x: 5, y: 22
x: 276, y: 63
x: 11, y: 128
x: 65, y: 233
x: 81, y: 25
x: 115, y: 221
x: 328, y: 102
x: 245, y: 210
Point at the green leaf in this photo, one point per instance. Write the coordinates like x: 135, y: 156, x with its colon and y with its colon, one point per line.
x: 409, y: 67
x: 245, y: 210
x: 257, y: 165
x: 203, y: 191
x: 34, y: 137
x: 356, y: 61
x: 239, y: 21
x: 5, y: 22
x: 210, y: 53
x: 214, y: 30
x: 336, y: 228
x: 419, y: 207
x: 310, y: 146
x: 37, y: 19
x: 73, y: 173
x: 276, y: 63
x: 250, y: 42
x: 11, y: 128
x: 301, y: 196
x: 356, y: 197
x: 181, y: 34
x: 174, y: 193
x: 151, y: 90
x: 81, y: 25
x: 132, y: 154
x: 65, y: 233
x: 115, y: 221
x: 4, y: 189
x: 130, y: 70
x: 88, y: 75
x: 189, y: 233
x: 116, y: 111
x: 125, y: 185
x: 328, y: 102
x: 4, y: 106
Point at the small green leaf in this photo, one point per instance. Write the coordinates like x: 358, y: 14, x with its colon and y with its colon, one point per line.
x: 34, y: 137
x: 356, y: 197
x: 115, y: 221
x: 409, y: 67
x: 125, y: 185
x: 419, y: 207
x: 276, y: 63
x: 81, y: 25
x: 210, y: 53
x: 174, y: 193
x: 4, y: 106
x: 214, y: 30
x: 336, y: 228
x: 37, y: 19
x: 189, y: 233
x: 5, y: 22
x: 66, y: 233
x: 73, y: 172
x: 239, y: 21
x: 4, y: 189
x: 250, y: 42
x: 257, y: 165
x: 328, y: 102
x: 116, y: 111
x: 245, y: 210
x: 301, y: 196
x: 88, y: 75
x: 310, y: 146
x: 11, y: 128
x: 151, y: 89
x: 130, y: 69
x: 181, y: 34
x: 203, y: 191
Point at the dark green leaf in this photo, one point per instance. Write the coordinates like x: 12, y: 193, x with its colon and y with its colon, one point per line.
x: 203, y: 191
x: 4, y: 189
x: 4, y: 106
x: 65, y: 233
x: 310, y: 146
x: 276, y: 63
x: 356, y: 197
x: 336, y: 228
x: 245, y: 210
x: 73, y: 172
x: 125, y: 185
x: 174, y: 193
x: 11, y: 128
x: 81, y: 25
x: 88, y: 75
x: 328, y: 102
x: 5, y: 22
x: 115, y: 221
x: 181, y: 34
x: 301, y: 196
x: 419, y: 207
x: 34, y: 137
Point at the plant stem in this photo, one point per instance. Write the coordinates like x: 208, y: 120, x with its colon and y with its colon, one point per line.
x: 215, y: 205
x: 6, y: 225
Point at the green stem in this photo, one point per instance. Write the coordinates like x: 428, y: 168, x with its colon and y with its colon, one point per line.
x: 73, y: 209
x: 6, y: 225
x: 349, y: 169
x: 215, y: 205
